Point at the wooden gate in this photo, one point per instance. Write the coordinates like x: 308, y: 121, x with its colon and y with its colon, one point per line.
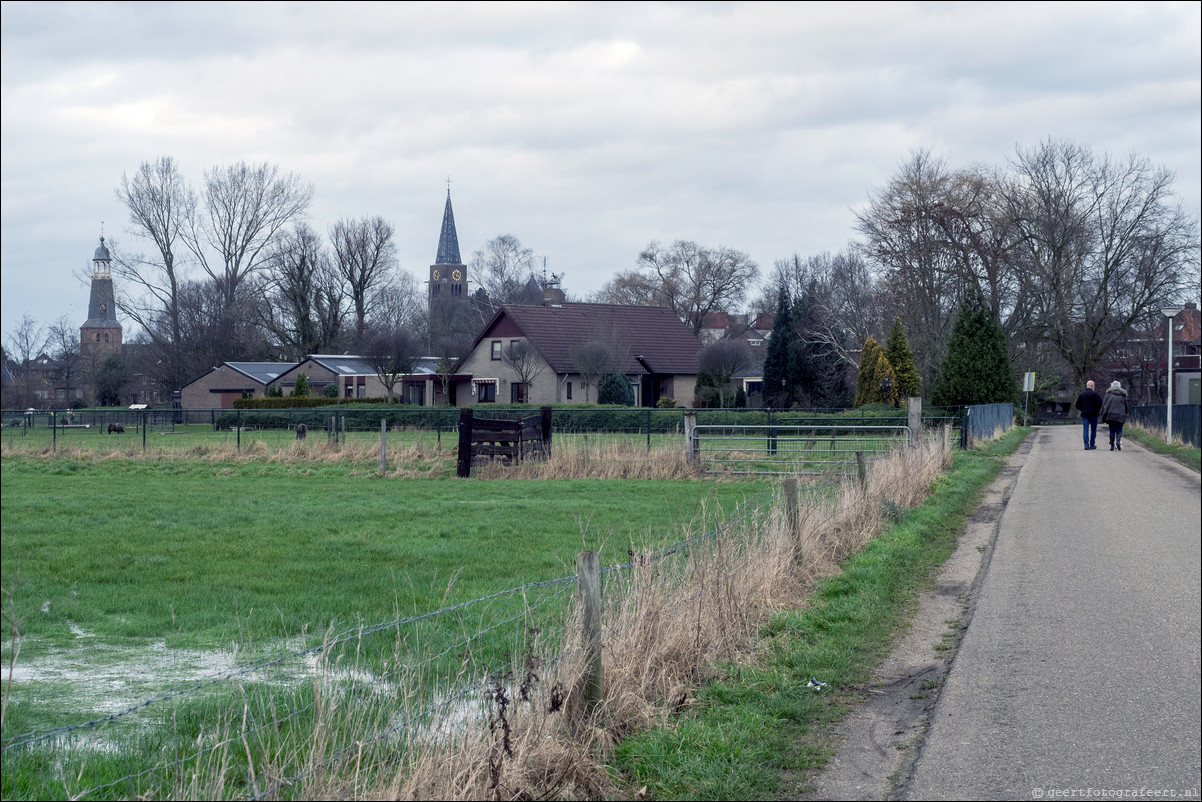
x: 509, y: 441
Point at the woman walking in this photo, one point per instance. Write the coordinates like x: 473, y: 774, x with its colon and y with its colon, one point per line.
x: 1114, y: 413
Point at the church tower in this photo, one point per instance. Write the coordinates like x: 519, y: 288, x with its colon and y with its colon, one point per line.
x: 100, y: 335
x: 448, y: 274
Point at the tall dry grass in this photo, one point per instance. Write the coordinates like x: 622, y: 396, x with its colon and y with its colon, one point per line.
x: 668, y: 620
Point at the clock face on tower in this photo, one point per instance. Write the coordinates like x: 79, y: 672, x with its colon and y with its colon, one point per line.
x: 436, y: 275
x: 457, y: 275
x: 103, y: 307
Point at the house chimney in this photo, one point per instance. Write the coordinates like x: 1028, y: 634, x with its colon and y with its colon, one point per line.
x: 553, y: 296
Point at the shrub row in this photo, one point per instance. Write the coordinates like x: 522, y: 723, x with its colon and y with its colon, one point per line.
x: 302, y: 402
x: 575, y: 418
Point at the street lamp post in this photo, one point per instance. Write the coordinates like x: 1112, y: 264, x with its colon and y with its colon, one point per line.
x: 1170, y: 312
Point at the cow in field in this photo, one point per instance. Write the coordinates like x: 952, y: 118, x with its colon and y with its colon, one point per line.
x: 116, y: 428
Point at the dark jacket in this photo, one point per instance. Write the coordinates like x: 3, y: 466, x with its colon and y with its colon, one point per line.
x: 1090, y: 403
x: 1114, y: 406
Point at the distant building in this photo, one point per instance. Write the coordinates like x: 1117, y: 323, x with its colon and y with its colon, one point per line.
x: 649, y: 345
x: 100, y: 335
x: 448, y: 274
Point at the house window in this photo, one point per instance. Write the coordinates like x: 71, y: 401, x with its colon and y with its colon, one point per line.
x: 496, y: 350
x: 486, y: 393
x: 517, y: 393
x: 569, y: 395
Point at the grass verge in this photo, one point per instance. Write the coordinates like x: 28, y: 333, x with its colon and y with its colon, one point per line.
x: 757, y: 730
x: 1153, y: 440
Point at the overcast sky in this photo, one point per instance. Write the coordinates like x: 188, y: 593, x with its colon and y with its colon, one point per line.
x: 585, y: 130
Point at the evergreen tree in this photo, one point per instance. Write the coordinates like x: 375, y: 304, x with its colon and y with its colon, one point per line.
x: 777, y: 372
x: 867, y: 391
x: 615, y: 389
x: 901, y: 358
x: 302, y: 386
x: 706, y: 394
x: 886, y: 381
x: 977, y: 368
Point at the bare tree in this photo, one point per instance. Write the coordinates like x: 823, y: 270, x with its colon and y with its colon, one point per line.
x: 242, y: 210
x: 23, y: 345
x: 525, y: 362
x: 919, y: 273
x: 503, y: 268
x: 62, y: 341
x: 842, y: 301
x: 1103, y: 242
x: 364, y: 255
x: 592, y: 359
x: 304, y: 298
x: 722, y: 361
x: 687, y: 278
x: 161, y: 206
x: 392, y: 353
x: 400, y: 301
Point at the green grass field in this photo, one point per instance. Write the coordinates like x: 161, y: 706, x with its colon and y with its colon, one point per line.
x: 204, y: 554
x: 131, y: 577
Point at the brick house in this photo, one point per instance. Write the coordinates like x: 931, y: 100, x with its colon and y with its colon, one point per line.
x: 649, y: 345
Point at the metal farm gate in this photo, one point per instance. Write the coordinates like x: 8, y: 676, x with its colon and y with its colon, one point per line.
x: 800, y: 449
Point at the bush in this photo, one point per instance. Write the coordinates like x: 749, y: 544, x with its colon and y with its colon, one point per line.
x: 665, y: 402
x: 615, y: 389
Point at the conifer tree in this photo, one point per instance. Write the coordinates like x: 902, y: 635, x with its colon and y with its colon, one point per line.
x: 887, y: 391
x: 302, y: 386
x: 977, y: 368
x: 901, y: 358
x: 777, y: 378
x: 867, y: 390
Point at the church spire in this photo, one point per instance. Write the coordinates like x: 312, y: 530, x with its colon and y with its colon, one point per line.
x: 448, y: 240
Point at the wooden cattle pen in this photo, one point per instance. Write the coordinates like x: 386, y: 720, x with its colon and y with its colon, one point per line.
x: 506, y: 441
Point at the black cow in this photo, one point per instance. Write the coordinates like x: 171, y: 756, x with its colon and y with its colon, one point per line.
x: 117, y: 428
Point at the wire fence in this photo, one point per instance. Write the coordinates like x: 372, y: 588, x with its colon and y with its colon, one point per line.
x: 168, y: 433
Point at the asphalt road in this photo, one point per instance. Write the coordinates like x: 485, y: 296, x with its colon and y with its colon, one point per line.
x: 1078, y: 675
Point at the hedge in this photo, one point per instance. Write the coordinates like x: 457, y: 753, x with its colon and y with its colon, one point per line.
x: 574, y: 418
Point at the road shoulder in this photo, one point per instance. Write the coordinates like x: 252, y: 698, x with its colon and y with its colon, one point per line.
x: 878, y: 740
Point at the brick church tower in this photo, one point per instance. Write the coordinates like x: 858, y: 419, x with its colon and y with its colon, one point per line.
x: 100, y: 335
x: 448, y: 274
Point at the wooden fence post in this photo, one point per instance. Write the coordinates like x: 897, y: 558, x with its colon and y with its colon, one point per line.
x: 914, y: 407
x: 862, y: 469
x: 792, y: 511
x: 544, y: 414
x: 383, y: 446
x: 692, y: 447
x: 588, y: 567
x: 464, y: 465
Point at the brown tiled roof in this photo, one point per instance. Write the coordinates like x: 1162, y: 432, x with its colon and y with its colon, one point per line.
x: 652, y: 332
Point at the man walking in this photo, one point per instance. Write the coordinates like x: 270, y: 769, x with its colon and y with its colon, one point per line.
x: 1090, y: 404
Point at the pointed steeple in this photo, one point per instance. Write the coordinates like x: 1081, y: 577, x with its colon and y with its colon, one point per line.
x: 448, y: 240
